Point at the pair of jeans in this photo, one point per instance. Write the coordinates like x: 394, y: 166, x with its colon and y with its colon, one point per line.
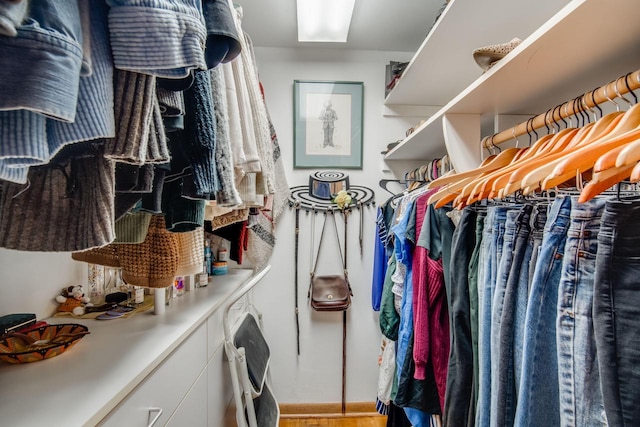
x: 529, y: 227
x: 579, y: 380
x: 616, y: 310
x: 504, y: 267
x: 490, y: 253
x: 538, y: 222
x: 458, y: 396
x: 476, y: 274
x: 538, y: 401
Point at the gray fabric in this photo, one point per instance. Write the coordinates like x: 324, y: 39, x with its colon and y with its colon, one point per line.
x: 223, y: 44
x: 12, y: 13
x: 228, y: 194
x: 65, y: 206
x: 140, y: 136
x: 171, y: 102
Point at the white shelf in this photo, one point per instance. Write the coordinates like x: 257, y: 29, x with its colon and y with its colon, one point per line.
x: 444, y: 64
x: 81, y: 386
x: 586, y: 44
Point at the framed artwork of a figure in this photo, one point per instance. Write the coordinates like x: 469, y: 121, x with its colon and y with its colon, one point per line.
x: 327, y: 124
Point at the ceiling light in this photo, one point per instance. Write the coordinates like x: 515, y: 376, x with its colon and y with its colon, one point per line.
x: 324, y: 20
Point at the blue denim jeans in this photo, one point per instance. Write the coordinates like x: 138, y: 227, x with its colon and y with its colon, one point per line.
x: 512, y: 320
x: 538, y: 402
x: 579, y: 379
x: 476, y: 272
x: 616, y: 310
x: 490, y: 253
x: 504, y: 266
x: 538, y: 222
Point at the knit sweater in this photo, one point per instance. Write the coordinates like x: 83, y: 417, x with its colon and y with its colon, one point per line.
x: 228, y: 194
x: 161, y: 38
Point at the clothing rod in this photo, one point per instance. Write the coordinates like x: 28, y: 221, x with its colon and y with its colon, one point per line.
x: 620, y: 86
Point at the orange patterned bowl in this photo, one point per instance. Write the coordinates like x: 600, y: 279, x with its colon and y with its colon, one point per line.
x: 41, y: 343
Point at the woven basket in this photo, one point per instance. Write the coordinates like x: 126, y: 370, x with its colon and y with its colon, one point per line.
x: 154, y: 262
x: 190, y: 252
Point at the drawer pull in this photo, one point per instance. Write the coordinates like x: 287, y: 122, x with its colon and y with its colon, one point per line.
x: 156, y: 418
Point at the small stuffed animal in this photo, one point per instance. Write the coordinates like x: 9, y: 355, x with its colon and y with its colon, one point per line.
x: 72, y: 300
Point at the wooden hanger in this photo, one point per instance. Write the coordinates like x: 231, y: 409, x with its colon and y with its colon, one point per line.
x: 635, y: 174
x: 452, y: 184
x: 584, y: 157
x: 448, y: 190
x: 489, y: 164
x: 601, y: 181
x: 533, y: 179
x: 474, y: 187
x: 513, y: 182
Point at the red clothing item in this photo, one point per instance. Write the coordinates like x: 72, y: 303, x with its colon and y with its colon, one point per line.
x: 430, y: 314
x: 431, y: 317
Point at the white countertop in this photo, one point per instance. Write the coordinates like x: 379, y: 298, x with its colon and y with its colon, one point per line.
x: 83, y: 385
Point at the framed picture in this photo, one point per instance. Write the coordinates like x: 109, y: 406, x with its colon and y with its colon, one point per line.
x: 327, y: 124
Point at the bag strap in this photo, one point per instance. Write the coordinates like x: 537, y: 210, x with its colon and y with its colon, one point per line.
x: 328, y: 214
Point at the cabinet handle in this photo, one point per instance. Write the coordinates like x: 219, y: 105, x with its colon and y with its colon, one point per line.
x: 156, y: 418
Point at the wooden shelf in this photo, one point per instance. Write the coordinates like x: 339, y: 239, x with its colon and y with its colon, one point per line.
x: 586, y: 44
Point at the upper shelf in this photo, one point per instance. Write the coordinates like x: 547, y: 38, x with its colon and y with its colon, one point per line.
x: 586, y: 44
x: 444, y: 64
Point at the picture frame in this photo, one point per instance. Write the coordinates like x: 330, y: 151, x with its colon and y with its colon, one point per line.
x: 328, y: 117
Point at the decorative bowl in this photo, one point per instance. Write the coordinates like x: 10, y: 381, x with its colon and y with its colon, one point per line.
x: 40, y: 343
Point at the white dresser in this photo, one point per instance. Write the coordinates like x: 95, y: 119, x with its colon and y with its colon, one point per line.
x: 168, y: 369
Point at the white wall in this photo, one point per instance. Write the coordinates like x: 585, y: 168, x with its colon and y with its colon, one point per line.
x: 315, y: 376
x: 31, y: 280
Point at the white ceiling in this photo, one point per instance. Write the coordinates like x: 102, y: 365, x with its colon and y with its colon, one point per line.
x: 393, y: 25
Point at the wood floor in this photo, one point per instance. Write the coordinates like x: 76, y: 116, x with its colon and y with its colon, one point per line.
x: 361, y: 414
x: 342, y: 421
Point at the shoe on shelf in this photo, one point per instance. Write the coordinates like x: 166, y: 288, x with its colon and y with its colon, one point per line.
x: 487, y: 56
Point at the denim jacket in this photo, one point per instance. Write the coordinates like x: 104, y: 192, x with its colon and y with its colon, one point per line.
x: 41, y: 64
x: 30, y: 138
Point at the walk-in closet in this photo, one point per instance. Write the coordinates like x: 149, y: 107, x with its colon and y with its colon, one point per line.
x: 211, y: 215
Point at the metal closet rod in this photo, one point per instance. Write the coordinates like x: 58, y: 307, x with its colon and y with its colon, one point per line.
x: 620, y: 86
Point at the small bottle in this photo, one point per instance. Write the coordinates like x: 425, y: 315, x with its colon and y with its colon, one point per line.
x: 202, y: 278
x: 138, y: 294
x: 223, y: 255
x: 207, y: 256
x: 179, y: 286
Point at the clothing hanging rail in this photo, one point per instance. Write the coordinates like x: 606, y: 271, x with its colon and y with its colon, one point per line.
x: 588, y: 100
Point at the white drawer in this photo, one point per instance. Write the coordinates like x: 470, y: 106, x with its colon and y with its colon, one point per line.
x: 165, y: 387
x: 192, y: 411
x: 215, y: 332
x: 220, y: 388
